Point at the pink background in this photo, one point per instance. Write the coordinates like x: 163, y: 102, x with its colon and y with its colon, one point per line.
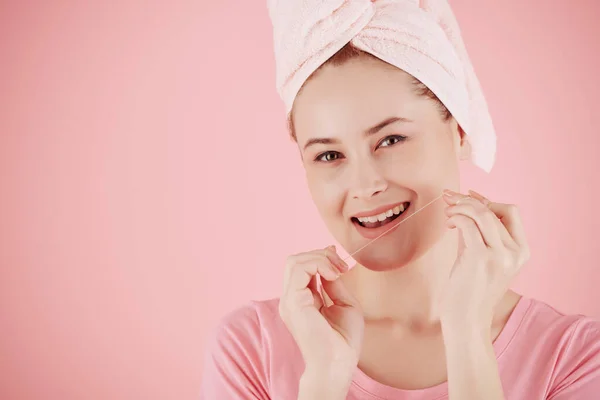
x: 148, y: 186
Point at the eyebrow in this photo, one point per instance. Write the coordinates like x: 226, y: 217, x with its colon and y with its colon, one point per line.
x: 371, y: 131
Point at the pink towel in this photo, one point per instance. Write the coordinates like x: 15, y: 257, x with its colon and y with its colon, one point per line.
x: 421, y: 37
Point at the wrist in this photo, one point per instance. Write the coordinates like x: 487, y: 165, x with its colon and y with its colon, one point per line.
x: 471, y: 362
x: 471, y: 344
x: 463, y: 326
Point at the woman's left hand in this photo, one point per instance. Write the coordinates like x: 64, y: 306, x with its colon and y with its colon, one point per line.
x: 495, y: 248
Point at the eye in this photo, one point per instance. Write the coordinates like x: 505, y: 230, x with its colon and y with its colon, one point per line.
x: 328, y: 156
x: 391, y: 140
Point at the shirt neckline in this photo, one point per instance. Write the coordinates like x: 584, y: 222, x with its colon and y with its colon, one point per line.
x: 382, y: 392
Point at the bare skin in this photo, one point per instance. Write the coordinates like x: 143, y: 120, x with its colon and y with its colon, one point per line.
x: 425, y: 302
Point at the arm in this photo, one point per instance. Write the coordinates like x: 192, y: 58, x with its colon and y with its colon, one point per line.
x: 494, y: 249
x: 471, y: 364
x: 234, y: 366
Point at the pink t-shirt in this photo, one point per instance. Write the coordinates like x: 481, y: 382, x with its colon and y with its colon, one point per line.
x: 542, y: 354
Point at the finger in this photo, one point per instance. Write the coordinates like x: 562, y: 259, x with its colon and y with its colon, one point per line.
x: 313, y: 285
x: 484, y: 200
x: 469, y: 230
x: 302, y: 258
x: 335, y: 258
x: 510, y: 217
x: 330, y: 253
x: 301, y: 272
x: 505, y: 235
x: 339, y: 294
x: 451, y: 197
x: 503, y: 211
x: 483, y: 218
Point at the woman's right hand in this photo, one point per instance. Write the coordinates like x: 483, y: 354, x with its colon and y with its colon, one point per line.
x: 329, y: 337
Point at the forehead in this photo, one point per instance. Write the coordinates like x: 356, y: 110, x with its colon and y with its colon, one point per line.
x: 354, y: 96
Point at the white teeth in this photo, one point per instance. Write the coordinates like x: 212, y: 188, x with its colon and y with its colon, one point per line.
x: 381, y: 217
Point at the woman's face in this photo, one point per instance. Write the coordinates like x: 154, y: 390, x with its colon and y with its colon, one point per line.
x: 372, y: 147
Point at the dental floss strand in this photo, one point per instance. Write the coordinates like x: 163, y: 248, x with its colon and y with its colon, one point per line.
x: 393, y: 227
x: 325, y: 298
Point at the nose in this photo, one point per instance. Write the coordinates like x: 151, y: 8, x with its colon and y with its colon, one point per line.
x: 368, y: 181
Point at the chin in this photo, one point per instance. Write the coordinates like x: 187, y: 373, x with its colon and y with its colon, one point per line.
x: 387, y: 257
x: 400, y: 248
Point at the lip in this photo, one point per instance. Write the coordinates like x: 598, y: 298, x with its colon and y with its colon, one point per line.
x: 372, y: 233
x: 378, y: 210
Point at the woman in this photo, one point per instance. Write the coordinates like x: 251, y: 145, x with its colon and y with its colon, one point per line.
x: 384, y: 105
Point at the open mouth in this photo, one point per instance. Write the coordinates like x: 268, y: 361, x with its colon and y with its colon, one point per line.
x: 376, y: 221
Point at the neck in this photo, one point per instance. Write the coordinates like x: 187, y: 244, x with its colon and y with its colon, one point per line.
x: 408, y: 295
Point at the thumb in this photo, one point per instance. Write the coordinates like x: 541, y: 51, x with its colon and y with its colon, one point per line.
x: 339, y: 294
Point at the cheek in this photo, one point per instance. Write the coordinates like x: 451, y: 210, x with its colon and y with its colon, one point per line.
x: 409, y: 162
x: 420, y: 166
x: 327, y: 193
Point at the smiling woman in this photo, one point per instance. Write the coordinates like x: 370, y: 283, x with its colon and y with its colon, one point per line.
x: 384, y: 105
x: 371, y: 141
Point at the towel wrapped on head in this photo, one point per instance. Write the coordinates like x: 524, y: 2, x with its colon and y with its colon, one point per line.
x: 421, y: 37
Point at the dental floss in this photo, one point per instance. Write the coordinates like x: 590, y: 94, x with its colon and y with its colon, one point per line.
x: 393, y: 227
x: 326, y: 300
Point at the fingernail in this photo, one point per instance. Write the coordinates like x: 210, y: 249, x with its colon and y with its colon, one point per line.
x: 341, y: 263
x: 479, y: 197
x: 448, y: 192
x: 477, y: 194
x: 344, y: 266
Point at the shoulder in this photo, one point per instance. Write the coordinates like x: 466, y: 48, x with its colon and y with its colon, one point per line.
x: 568, y: 344
x: 252, y: 312
x: 238, y: 358
x: 568, y: 328
x: 247, y: 324
x: 252, y: 333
